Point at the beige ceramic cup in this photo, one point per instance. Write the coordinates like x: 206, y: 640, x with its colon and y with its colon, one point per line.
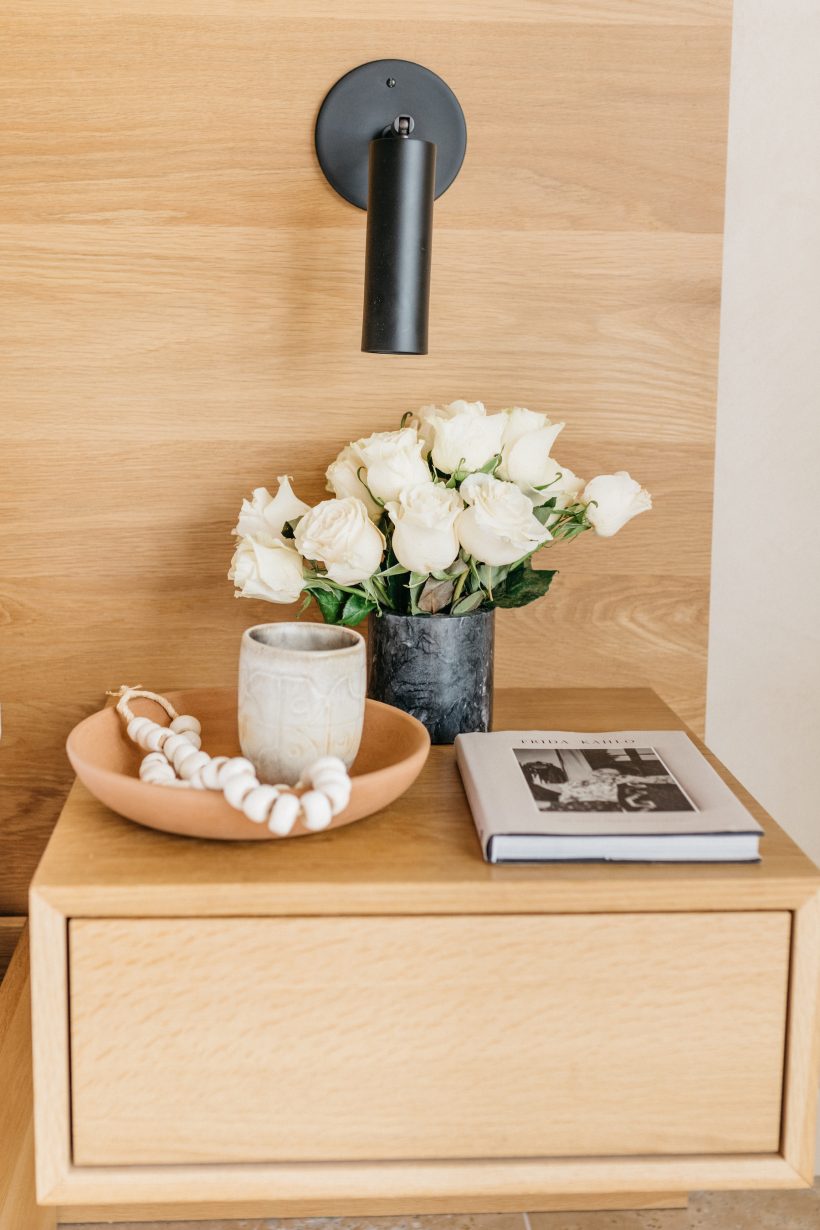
x: 301, y: 696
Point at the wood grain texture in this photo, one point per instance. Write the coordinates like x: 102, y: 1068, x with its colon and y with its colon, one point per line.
x: 419, y: 856
x: 10, y: 931
x: 404, y: 1187
x: 803, y: 1042
x: 422, y: 860
x: 367, y: 1208
x: 181, y: 305
x: 201, y: 1041
x: 50, y: 1046
x: 18, y: 1208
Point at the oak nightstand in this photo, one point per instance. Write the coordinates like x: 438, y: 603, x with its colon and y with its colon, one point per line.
x: 374, y: 1020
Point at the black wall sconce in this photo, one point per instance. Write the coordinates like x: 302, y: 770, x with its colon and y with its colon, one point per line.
x: 391, y: 137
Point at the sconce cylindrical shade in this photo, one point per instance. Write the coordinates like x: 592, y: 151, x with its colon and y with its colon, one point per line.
x: 402, y: 181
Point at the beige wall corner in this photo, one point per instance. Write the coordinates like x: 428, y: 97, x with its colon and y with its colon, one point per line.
x: 764, y: 658
x: 764, y: 654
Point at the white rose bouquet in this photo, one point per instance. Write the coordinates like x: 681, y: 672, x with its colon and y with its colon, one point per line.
x: 442, y: 516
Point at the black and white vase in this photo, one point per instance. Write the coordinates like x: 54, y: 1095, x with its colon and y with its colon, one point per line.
x: 439, y: 668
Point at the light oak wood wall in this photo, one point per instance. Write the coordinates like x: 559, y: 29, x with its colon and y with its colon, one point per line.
x: 181, y: 312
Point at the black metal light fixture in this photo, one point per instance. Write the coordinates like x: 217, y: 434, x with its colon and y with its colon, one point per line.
x: 390, y: 137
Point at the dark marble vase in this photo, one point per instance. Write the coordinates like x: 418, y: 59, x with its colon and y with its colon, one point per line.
x: 437, y: 667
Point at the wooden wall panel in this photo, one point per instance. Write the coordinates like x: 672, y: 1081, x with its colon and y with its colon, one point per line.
x: 180, y: 314
x: 11, y: 929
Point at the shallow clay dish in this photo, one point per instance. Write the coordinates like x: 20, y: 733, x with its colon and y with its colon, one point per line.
x: 393, y: 750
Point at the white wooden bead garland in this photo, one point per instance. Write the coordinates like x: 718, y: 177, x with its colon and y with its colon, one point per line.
x: 175, y: 758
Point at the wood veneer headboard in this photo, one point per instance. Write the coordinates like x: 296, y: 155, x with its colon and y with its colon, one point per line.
x: 182, y: 306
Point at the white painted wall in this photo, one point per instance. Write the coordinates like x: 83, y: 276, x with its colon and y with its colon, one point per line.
x: 763, y: 710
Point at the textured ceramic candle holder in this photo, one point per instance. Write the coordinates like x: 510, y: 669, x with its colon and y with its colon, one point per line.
x: 301, y: 696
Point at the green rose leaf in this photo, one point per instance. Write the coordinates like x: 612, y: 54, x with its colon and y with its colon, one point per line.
x: 329, y: 602
x: 415, y: 585
x: 471, y: 602
x: 461, y: 581
x: 492, y: 465
x: 524, y: 584
x: 544, y: 511
x: 356, y: 608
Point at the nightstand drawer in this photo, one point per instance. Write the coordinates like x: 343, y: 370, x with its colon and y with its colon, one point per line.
x: 270, y: 1039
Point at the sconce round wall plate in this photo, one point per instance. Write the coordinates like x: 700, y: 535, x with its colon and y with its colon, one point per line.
x: 365, y: 101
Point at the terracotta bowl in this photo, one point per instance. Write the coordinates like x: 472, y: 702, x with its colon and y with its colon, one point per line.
x: 393, y: 750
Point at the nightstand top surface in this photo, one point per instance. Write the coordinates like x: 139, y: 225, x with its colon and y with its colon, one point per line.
x: 420, y: 855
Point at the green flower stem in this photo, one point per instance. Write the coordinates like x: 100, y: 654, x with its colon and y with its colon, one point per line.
x: 325, y: 583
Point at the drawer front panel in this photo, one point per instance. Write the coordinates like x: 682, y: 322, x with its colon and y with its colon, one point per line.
x: 288, y: 1039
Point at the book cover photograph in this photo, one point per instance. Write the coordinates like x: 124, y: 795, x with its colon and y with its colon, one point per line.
x: 601, y: 779
x: 643, y: 796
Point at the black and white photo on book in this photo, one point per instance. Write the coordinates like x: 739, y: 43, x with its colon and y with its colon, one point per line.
x: 632, y: 796
x: 629, y: 779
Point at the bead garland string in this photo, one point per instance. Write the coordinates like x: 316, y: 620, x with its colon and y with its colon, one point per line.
x: 175, y: 758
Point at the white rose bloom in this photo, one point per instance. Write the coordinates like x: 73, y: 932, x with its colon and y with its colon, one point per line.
x: 499, y: 526
x: 264, y: 516
x: 465, y: 438
x: 393, y: 460
x: 554, y: 480
x: 562, y: 483
x: 423, y: 424
x: 424, y: 538
x: 342, y: 536
x: 271, y: 571
x: 343, y: 480
x: 520, y: 421
x: 617, y: 499
x: 526, y: 456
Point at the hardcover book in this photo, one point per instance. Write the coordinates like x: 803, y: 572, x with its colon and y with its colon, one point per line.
x: 622, y: 796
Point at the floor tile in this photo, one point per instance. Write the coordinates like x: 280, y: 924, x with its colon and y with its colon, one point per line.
x: 647, y: 1219
x: 798, y: 1210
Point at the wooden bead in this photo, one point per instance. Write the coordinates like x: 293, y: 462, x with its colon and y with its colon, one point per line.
x: 193, y: 763
x: 158, y: 776
x: 209, y: 775
x: 283, y: 816
x: 337, y: 792
x: 238, y: 786
x: 317, y: 812
x: 257, y: 804
x: 182, y: 753
x: 184, y: 722
x: 155, y: 758
x: 171, y: 744
x: 154, y: 738
x: 193, y: 738
x: 321, y: 780
x: 137, y: 727
x: 327, y: 762
x: 237, y: 764
x: 152, y: 770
